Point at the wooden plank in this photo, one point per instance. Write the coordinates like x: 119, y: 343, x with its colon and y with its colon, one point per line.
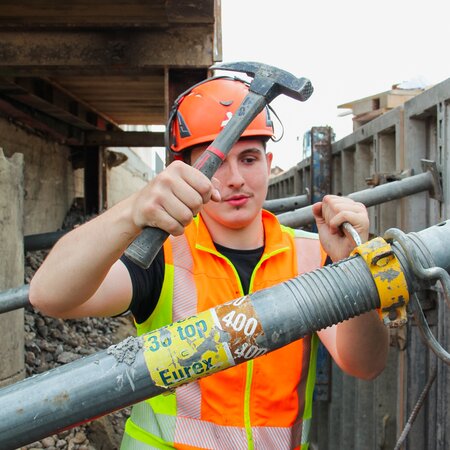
x: 53, y: 53
x: 43, y: 97
x: 124, y: 138
x: 187, y: 11
x: 120, y: 13
x: 55, y: 129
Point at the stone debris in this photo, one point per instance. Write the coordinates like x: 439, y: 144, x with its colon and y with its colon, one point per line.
x: 50, y: 343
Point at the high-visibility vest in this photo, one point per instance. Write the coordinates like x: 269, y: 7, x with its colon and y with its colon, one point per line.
x: 264, y: 403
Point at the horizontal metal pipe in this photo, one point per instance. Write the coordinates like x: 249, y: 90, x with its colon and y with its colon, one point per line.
x: 297, y: 218
x: 369, y: 197
x: 211, y: 341
x: 15, y: 298
x: 42, y: 241
x: 286, y: 204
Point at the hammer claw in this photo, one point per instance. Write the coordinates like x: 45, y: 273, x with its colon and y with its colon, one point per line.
x: 270, y: 81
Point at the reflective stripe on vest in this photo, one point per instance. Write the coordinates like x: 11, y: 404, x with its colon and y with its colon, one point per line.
x: 176, y: 421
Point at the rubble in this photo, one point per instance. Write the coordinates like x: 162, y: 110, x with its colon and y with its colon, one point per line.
x: 51, y: 342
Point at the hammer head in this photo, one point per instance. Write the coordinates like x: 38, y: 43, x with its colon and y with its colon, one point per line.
x: 270, y: 81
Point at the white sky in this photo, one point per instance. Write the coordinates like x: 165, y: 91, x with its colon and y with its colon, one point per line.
x: 349, y: 49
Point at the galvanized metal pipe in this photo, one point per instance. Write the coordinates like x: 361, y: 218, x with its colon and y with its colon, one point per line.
x: 279, y: 205
x: 15, y: 298
x: 369, y: 197
x: 211, y: 341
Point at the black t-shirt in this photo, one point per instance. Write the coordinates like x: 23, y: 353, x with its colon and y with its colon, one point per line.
x: 147, y: 283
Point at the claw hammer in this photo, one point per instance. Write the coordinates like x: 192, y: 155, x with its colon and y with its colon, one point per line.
x: 268, y: 82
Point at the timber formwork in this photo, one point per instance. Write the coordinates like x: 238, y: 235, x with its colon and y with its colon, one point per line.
x: 370, y: 415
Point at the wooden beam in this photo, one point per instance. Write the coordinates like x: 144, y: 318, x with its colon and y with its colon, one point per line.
x: 93, y: 192
x: 104, y: 13
x: 25, y: 115
x: 187, y: 11
x: 43, y: 53
x: 124, y: 138
x: 42, y: 96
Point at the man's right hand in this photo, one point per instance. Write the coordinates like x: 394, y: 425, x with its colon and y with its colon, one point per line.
x: 173, y: 198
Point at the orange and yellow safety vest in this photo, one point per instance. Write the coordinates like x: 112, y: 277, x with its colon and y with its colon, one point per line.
x: 264, y: 403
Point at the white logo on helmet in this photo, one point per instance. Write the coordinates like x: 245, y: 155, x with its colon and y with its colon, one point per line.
x: 229, y: 116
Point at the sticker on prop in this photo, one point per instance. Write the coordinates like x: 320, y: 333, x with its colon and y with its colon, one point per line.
x: 239, y: 319
x: 186, y: 350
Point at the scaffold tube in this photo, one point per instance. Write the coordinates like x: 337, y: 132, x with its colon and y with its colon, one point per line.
x: 369, y: 197
x: 15, y: 298
x: 279, y: 205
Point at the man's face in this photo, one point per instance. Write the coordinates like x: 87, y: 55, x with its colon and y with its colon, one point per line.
x: 243, y: 180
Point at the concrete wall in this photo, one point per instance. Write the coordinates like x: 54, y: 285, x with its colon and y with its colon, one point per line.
x: 48, y: 177
x: 121, y: 183
x: 12, y: 366
x: 36, y: 190
x: 51, y: 184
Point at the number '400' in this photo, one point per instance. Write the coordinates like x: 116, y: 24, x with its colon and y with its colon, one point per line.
x: 240, y: 322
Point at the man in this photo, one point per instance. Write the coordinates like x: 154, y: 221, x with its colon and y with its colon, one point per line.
x: 222, y: 246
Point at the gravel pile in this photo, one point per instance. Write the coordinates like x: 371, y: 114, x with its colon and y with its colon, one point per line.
x: 50, y: 343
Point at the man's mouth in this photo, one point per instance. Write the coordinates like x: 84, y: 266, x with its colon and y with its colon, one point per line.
x: 237, y: 200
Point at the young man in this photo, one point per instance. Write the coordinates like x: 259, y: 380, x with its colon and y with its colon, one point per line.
x: 222, y: 245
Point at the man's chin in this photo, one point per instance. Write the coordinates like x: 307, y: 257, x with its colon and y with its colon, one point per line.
x: 240, y: 219
x: 234, y: 218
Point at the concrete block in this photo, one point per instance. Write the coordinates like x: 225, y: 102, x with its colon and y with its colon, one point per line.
x: 12, y: 367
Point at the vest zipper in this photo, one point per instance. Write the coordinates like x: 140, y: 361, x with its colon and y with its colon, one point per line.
x: 249, y: 364
x: 249, y: 375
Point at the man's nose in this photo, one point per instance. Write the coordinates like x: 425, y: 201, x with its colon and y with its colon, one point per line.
x: 234, y: 176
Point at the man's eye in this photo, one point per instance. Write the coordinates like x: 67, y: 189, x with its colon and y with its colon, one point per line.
x: 248, y: 160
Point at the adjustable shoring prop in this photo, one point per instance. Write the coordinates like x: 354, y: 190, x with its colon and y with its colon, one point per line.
x: 377, y: 275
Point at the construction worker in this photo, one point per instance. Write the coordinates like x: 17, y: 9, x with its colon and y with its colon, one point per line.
x: 222, y: 245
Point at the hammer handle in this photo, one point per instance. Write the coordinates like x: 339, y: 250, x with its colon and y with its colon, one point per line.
x: 145, y: 247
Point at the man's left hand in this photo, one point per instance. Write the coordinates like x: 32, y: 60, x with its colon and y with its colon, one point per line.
x: 330, y: 214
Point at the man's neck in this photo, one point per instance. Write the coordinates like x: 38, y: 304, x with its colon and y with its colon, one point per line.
x: 246, y: 238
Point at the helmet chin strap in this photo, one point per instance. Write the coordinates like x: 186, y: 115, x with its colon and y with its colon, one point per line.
x: 278, y: 139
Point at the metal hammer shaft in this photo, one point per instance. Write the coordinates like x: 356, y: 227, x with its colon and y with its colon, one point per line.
x: 146, y: 246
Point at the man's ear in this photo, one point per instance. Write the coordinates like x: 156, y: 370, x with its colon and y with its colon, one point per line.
x: 269, y: 158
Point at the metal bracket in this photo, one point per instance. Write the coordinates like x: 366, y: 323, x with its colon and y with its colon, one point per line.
x: 389, y: 280
x: 430, y: 166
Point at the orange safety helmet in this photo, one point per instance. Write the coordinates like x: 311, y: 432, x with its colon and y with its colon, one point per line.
x: 199, y: 114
